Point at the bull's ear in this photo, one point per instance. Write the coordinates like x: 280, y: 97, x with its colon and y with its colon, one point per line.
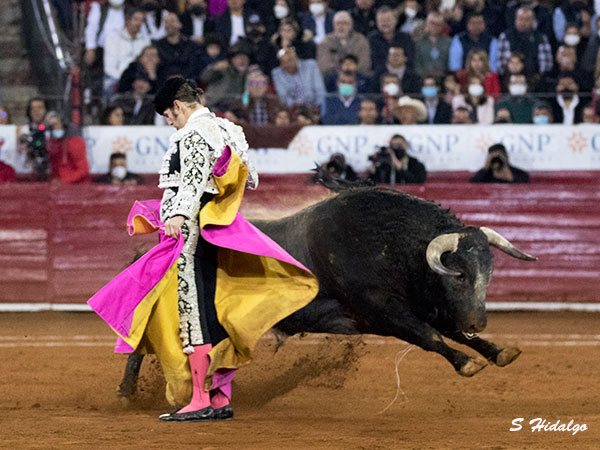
x: 438, y: 246
x: 501, y: 243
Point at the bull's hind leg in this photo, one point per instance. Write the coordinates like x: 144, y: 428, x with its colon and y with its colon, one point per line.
x: 128, y: 386
x: 496, y: 355
x: 415, y: 331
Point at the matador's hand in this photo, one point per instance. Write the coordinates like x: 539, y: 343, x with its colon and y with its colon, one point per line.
x: 173, y: 225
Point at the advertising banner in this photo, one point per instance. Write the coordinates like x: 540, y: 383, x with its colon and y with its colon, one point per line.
x: 439, y: 147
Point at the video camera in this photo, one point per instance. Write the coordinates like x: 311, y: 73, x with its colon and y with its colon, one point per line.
x: 37, y: 152
x: 381, y: 158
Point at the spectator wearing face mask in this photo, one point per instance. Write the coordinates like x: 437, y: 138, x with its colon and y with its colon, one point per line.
x: 576, y: 12
x: 118, y: 173
x: 519, y: 103
x: 348, y: 64
x: 542, y: 113
x: 438, y: 111
x: 66, y: 153
x: 567, y: 107
x: 411, y: 17
x: 342, y: 109
x: 397, y: 64
x: 575, y: 38
x: 393, y: 165
x: 497, y: 168
x: 478, y: 66
x: 480, y: 105
x: 390, y: 94
x: 319, y: 20
x: 283, y: 10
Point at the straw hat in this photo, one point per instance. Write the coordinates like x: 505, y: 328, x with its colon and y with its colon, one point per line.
x: 407, y: 101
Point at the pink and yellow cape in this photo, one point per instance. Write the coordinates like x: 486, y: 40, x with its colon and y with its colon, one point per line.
x: 258, y: 284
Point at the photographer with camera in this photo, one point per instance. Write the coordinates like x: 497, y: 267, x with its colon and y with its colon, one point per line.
x: 498, y: 170
x: 66, y: 152
x: 392, y: 164
x: 32, y: 138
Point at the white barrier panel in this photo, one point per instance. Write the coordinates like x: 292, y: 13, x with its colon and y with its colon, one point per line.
x: 439, y: 147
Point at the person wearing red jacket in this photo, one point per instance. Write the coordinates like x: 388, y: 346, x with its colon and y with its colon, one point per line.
x: 66, y: 153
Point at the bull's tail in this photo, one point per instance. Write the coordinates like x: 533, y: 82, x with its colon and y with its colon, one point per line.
x: 326, y: 179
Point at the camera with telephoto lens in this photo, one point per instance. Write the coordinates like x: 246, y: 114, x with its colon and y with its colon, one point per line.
x: 37, y: 152
x: 381, y: 158
x: 497, y: 163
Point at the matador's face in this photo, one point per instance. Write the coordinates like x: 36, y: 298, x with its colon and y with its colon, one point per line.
x: 175, y: 116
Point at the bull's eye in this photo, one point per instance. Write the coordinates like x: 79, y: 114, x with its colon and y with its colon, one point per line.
x: 462, y: 278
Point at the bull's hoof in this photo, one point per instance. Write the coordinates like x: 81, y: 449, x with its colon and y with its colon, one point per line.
x: 507, y: 355
x: 473, y: 366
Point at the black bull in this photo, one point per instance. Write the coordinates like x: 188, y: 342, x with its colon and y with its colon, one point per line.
x: 390, y: 264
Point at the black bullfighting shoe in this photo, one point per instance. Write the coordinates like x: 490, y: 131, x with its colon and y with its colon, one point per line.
x: 224, y: 413
x: 202, y: 415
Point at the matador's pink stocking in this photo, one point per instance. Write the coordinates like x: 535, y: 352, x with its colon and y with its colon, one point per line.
x: 199, y: 362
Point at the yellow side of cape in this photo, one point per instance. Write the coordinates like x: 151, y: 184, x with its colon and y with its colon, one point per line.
x: 253, y: 292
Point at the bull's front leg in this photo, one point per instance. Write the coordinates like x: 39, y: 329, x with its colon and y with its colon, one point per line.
x: 496, y: 355
x: 413, y: 330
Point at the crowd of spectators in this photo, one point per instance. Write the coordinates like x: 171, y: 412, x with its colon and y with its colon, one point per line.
x: 334, y: 62
x: 256, y: 58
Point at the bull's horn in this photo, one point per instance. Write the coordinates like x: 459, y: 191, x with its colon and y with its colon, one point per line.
x: 501, y: 243
x: 439, y: 245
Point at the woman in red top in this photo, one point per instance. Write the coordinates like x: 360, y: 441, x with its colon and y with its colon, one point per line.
x: 478, y: 65
x: 66, y: 153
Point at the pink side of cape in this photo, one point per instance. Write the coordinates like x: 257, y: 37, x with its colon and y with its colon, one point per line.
x: 116, y: 302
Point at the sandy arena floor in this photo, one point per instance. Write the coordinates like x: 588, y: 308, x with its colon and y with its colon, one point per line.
x: 59, y: 379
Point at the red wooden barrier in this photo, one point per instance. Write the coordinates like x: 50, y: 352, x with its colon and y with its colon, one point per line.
x: 59, y: 244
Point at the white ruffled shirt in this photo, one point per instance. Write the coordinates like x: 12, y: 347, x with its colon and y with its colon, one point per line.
x: 201, y: 142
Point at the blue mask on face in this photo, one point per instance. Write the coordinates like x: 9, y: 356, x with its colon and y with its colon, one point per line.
x: 429, y: 91
x: 540, y: 120
x: 58, y: 134
x: 346, y: 89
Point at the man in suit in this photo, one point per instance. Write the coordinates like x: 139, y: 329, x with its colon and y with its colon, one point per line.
x: 232, y: 23
x: 194, y: 21
x: 438, y: 111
